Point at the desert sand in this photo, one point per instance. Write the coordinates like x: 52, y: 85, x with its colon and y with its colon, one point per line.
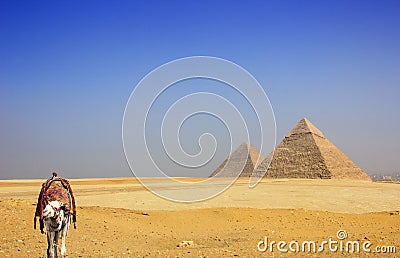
x: 120, y: 218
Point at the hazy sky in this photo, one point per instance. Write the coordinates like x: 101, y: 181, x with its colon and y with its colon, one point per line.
x: 67, y: 69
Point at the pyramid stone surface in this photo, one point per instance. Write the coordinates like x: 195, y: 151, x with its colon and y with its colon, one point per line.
x: 245, y: 155
x: 306, y: 153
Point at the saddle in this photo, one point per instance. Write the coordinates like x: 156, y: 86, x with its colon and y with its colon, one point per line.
x: 55, y: 189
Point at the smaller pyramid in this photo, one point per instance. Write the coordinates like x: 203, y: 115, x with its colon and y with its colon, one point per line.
x: 306, y: 153
x: 244, y: 158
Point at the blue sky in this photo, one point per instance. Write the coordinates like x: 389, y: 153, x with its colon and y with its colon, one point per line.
x: 67, y: 69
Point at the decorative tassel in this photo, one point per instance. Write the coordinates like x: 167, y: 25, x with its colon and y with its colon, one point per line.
x: 41, y: 226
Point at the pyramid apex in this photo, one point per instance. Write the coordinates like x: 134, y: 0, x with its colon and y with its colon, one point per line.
x: 305, y: 126
x: 245, y: 144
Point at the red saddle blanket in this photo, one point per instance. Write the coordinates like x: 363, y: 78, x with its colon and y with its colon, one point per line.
x: 56, y: 189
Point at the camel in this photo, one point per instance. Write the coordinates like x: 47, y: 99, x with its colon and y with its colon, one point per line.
x: 56, y: 220
x: 55, y: 208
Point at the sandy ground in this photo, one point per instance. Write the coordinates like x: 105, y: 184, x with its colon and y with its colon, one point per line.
x: 119, y: 218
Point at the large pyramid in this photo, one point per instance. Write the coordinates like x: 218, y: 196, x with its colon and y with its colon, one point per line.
x: 245, y: 152
x: 306, y: 153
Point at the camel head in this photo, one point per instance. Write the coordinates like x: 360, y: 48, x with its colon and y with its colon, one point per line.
x: 53, y: 215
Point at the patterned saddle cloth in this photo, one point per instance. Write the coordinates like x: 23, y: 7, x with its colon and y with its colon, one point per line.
x: 56, y: 189
x: 57, y: 192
